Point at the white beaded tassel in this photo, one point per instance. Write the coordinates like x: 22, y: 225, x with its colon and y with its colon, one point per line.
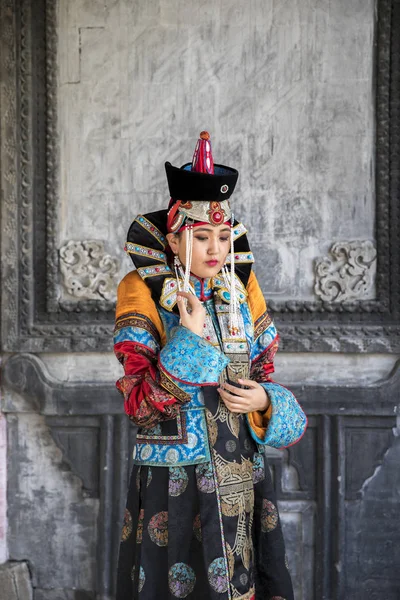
x: 233, y: 307
x: 189, y: 252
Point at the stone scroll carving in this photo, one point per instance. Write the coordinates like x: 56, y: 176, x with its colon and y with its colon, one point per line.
x: 348, y: 274
x: 88, y: 272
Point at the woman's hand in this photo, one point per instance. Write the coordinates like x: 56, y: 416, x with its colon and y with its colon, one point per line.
x: 193, y: 320
x: 239, y: 400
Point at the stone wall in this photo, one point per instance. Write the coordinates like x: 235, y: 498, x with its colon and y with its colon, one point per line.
x: 287, y: 90
x: 284, y: 88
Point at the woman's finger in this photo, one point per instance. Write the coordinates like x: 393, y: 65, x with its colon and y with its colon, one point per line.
x: 248, y: 383
x: 193, y: 301
x: 182, y: 307
x: 236, y: 391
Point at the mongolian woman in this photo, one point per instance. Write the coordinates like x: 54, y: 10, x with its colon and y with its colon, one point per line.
x: 197, y: 346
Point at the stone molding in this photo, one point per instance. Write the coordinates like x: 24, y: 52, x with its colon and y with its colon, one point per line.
x: 348, y: 274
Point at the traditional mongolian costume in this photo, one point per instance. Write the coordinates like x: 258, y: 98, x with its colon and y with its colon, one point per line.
x: 201, y: 520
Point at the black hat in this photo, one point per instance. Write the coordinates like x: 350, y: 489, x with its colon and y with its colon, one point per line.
x: 201, y: 180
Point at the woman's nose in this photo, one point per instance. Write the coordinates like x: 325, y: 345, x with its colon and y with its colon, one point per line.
x: 213, y: 248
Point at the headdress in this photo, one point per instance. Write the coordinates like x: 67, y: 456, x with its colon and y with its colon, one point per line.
x: 199, y: 193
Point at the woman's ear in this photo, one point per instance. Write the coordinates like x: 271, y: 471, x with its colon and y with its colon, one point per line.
x: 173, y: 241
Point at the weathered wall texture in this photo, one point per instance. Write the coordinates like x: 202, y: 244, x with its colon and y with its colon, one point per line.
x: 285, y: 88
x: 287, y: 91
x: 3, y: 489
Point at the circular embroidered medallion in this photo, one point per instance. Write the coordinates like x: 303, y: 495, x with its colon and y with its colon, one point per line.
x: 147, y: 451
x: 217, y: 576
x: 139, y: 531
x: 158, y: 528
x: 247, y: 444
x: 178, y: 481
x: 258, y: 468
x: 142, y: 577
x: 230, y: 446
x: 269, y: 516
x: 224, y: 189
x: 172, y: 456
x: 205, y: 478
x: 244, y: 579
x: 181, y: 580
x: 192, y: 440
x: 197, y: 528
x: 127, y: 526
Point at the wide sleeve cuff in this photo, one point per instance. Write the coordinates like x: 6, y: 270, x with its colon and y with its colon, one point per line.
x: 187, y: 358
x: 286, y: 423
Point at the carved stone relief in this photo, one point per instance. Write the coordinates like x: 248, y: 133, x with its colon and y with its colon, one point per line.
x: 88, y: 272
x: 348, y: 274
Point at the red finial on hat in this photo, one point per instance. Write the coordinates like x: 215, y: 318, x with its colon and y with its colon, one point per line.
x: 202, y: 158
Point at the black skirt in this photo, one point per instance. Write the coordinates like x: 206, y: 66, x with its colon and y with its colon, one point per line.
x: 208, y: 531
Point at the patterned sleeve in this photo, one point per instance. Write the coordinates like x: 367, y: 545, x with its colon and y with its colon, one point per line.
x: 156, y: 382
x: 284, y: 423
x: 149, y: 396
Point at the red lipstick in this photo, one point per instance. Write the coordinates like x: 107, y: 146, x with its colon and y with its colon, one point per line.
x: 212, y: 263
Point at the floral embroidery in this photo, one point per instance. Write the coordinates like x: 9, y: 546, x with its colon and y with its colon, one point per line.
x: 217, y: 576
x: 263, y: 366
x: 137, y: 320
x: 181, y: 580
x: 149, y: 478
x: 127, y: 526
x: 269, y: 516
x: 158, y: 528
x: 288, y: 421
x: 142, y: 577
x: 205, y: 478
x: 261, y: 325
x: 258, y: 468
x: 197, y: 527
x: 139, y: 530
x: 178, y: 481
x: 190, y: 359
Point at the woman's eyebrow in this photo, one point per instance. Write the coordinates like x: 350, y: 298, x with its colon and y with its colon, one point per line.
x: 209, y: 230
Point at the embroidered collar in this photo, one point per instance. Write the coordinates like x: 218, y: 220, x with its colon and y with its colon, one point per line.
x: 204, y: 288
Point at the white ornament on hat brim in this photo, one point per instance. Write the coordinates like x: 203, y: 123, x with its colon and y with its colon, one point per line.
x: 200, y: 211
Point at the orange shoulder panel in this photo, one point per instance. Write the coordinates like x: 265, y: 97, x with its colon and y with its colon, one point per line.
x: 255, y: 298
x: 133, y: 295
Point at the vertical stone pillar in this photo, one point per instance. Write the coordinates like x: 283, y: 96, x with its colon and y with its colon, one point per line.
x: 3, y: 489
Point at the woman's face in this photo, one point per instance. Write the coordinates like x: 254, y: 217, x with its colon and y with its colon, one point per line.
x: 211, y: 246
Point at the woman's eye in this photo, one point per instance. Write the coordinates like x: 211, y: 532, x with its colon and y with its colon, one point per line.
x: 202, y: 239
x: 224, y: 239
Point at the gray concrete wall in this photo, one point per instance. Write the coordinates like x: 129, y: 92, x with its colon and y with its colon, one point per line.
x: 285, y: 88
